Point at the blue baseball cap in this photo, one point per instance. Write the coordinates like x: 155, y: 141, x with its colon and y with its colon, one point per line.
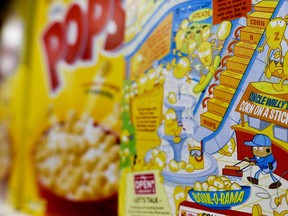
x: 259, y: 140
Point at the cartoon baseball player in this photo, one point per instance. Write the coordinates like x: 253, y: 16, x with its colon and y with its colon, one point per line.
x: 263, y: 158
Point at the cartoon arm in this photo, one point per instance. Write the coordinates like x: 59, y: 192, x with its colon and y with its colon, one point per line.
x: 252, y: 161
x: 219, y: 48
x: 261, y: 48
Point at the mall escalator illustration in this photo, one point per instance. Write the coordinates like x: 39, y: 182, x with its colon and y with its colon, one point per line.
x: 244, y: 66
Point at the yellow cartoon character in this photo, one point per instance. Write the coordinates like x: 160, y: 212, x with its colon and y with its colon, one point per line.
x: 206, y: 58
x: 182, y: 68
x: 224, y: 30
x: 171, y: 126
x: 172, y: 98
x: 179, y: 39
x: 274, y: 35
x: 278, y: 202
x: 196, y: 157
x: 229, y: 148
x: 179, y: 195
x: 192, y: 44
x: 257, y: 210
x: 180, y: 36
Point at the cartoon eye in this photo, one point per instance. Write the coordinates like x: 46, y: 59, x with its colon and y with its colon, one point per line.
x: 281, y: 23
x: 207, y: 52
x: 255, y: 148
x: 201, y: 54
x: 273, y: 23
x: 261, y: 149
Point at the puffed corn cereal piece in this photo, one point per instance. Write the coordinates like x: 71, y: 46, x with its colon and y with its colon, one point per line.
x: 155, y: 152
x: 198, y: 186
x: 189, y: 168
x: 219, y: 183
x: 173, y: 166
x: 205, y: 186
x: 227, y: 184
x: 182, y: 165
x: 235, y: 186
x: 210, y: 179
x: 212, y: 188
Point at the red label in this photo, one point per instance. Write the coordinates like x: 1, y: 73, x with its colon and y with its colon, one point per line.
x: 144, y: 184
x: 230, y: 9
x: 72, y: 40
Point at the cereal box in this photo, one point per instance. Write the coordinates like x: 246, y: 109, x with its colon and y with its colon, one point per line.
x: 205, y: 108
x: 13, y: 96
x: 73, y: 126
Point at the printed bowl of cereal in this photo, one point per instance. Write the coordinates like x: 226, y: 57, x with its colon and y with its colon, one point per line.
x: 76, y: 165
x: 218, y: 192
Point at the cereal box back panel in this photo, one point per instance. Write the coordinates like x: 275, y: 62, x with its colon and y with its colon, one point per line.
x: 205, y: 110
x: 72, y: 150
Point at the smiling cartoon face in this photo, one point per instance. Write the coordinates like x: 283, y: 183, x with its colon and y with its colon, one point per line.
x: 196, y: 157
x: 275, y: 32
x: 205, y: 53
x: 171, y: 126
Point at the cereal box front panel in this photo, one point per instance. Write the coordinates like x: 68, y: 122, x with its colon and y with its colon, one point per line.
x: 74, y: 108
x: 204, y: 113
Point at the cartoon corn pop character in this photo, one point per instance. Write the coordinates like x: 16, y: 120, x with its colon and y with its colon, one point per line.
x: 263, y: 158
x: 274, y: 35
x: 206, y: 58
x: 182, y: 68
x: 172, y: 126
x: 179, y: 195
x: 196, y: 157
x: 172, y: 98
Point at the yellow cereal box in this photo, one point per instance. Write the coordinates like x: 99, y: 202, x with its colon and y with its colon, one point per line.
x: 13, y: 98
x: 73, y: 128
x: 205, y: 108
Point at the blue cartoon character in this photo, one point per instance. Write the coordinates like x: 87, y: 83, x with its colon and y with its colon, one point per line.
x: 263, y: 158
